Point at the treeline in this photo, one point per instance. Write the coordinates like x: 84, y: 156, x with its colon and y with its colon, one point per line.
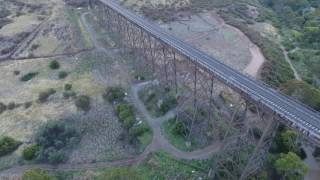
x: 302, y: 17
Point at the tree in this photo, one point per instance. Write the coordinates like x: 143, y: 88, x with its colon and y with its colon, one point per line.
x: 8, y: 145
x: 290, y: 167
x: 287, y: 141
x: 53, y: 139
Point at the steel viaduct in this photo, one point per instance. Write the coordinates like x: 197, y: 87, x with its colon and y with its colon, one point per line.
x: 293, y: 113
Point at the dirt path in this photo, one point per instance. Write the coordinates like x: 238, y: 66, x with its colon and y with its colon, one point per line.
x: 285, y: 53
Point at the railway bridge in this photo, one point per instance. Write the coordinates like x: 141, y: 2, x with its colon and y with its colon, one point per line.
x: 180, y: 66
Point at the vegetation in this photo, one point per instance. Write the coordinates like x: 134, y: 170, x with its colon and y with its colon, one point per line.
x: 126, y: 115
x: 299, y: 23
x: 16, y: 72
x: 3, y: 107
x: 67, y: 87
x: 138, y: 134
x: 53, y: 139
x: 141, y: 134
x: 37, y: 174
x: 316, y: 152
x: 27, y: 105
x: 307, y: 65
x: 44, y: 95
x: 30, y: 152
x: 113, y: 94
x: 82, y: 102
x: 62, y: 74
x: 11, y: 105
x: 290, y: 167
x: 68, y: 94
x: 8, y: 145
x: 167, y: 104
x: 303, y: 92
x: 120, y: 174
x: 256, y: 132
x: 160, y: 165
x: 29, y: 76
x: 158, y: 101
x: 176, y: 132
x: 54, y: 65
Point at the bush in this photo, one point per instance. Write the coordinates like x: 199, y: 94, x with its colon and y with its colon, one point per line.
x: 30, y: 152
x: 54, y: 65
x: 256, y: 132
x: 3, y: 107
x: 36, y: 174
x: 114, y: 94
x: 168, y: 104
x: 53, y: 139
x: 29, y: 76
x: 180, y: 129
x: 316, y: 152
x: 27, y: 105
x: 126, y: 115
x: 68, y: 94
x: 43, y: 96
x: 8, y: 145
x: 128, y: 122
x: 67, y: 87
x: 16, y: 72
x: 139, y: 130
x: 11, y: 105
x: 62, y: 74
x: 82, y: 102
x: 302, y: 154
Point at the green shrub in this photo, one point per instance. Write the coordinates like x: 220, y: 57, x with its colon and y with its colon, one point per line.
x: 128, y: 122
x: 54, y: 64
x: 29, y: 152
x: 168, y: 104
x: 114, y: 94
x: 180, y: 129
x: 8, y: 145
x: 53, y: 139
x: 29, y: 76
x: 303, y: 92
x: 67, y: 87
x: 68, y: 94
x: 82, y: 102
x: 139, y: 130
x: 126, y: 115
x: 43, y: 96
x: 11, y: 105
x: 3, y: 107
x: 62, y: 74
x: 27, y: 105
x: 36, y: 174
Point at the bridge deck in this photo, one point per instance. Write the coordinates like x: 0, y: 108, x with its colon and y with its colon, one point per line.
x: 299, y: 114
